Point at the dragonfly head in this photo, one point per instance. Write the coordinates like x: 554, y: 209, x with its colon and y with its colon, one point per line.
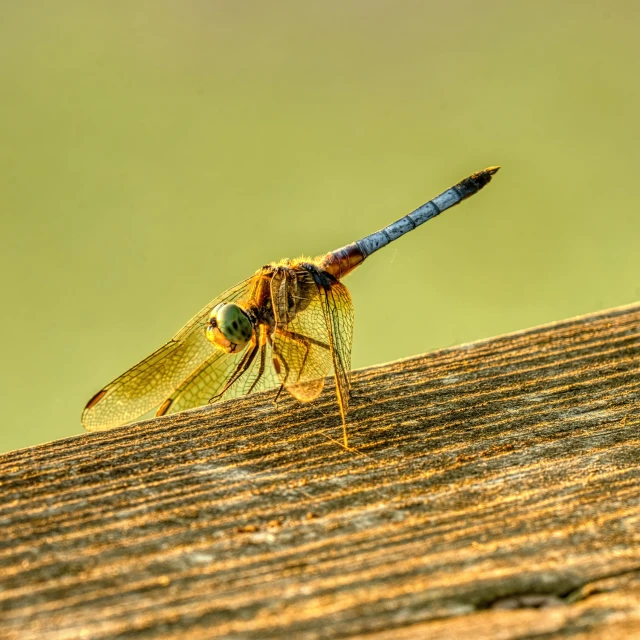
x: 229, y: 328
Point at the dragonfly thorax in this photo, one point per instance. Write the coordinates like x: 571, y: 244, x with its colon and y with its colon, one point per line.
x: 229, y: 328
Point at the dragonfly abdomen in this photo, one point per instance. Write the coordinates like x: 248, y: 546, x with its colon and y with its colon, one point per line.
x: 341, y: 261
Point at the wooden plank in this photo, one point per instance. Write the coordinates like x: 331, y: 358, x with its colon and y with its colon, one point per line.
x: 494, y: 494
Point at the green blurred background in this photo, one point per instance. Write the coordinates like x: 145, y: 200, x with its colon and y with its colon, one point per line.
x: 154, y: 153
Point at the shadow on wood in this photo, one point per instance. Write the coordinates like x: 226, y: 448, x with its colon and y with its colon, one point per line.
x: 494, y: 494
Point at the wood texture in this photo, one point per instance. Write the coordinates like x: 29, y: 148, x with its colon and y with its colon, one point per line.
x: 494, y: 494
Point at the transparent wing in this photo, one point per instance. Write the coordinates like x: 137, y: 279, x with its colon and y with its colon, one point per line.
x: 338, y: 313
x: 248, y: 373
x: 151, y: 381
x: 301, y: 342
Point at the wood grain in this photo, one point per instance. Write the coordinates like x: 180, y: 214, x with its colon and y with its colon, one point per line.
x: 494, y: 494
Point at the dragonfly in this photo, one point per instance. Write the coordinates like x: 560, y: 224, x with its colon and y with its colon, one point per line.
x: 287, y: 327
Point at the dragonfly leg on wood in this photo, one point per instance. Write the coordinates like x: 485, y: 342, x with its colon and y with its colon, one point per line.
x: 242, y: 366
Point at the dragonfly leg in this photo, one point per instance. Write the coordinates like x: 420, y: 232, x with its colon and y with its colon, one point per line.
x: 306, y: 340
x: 275, y: 400
x: 241, y: 367
x: 260, y: 370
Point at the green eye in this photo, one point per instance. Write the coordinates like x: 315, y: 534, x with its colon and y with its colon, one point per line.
x: 233, y: 323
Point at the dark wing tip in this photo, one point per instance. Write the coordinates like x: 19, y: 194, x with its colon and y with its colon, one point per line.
x: 95, y: 399
x: 164, y: 407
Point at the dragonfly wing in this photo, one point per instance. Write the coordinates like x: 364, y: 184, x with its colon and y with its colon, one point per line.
x: 301, y: 342
x: 203, y: 384
x: 338, y: 312
x: 207, y: 384
x: 151, y: 381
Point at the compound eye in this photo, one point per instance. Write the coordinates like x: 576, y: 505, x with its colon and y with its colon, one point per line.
x: 229, y: 320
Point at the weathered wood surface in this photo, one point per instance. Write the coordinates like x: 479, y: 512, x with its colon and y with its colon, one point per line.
x: 496, y: 495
